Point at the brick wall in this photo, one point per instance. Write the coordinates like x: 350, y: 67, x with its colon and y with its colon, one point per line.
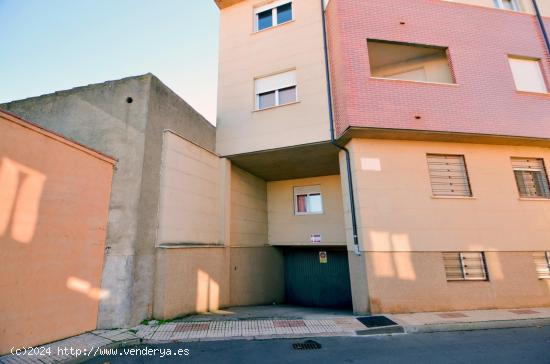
x: 483, y: 100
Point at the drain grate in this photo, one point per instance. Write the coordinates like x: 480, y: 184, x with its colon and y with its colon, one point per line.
x: 376, y: 321
x: 306, y: 345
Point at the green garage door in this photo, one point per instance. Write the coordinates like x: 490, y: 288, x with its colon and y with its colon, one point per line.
x: 309, y: 281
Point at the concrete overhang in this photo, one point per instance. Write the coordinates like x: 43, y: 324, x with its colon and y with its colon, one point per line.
x: 440, y: 136
x: 310, y: 160
x: 225, y: 3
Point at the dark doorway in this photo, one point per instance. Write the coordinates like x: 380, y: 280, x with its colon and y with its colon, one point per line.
x: 317, y: 277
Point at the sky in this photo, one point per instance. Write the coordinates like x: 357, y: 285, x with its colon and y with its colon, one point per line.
x: 51, y: 45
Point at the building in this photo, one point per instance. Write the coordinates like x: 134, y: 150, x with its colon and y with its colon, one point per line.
x: 385, y: 156
x: 442, y: 108
x: 51, y: 270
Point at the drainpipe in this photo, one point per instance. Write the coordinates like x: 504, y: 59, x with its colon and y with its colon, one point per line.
x: 542, y: 27
x: 333, y: 140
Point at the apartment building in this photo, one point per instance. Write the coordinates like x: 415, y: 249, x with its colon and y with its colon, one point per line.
x: 433, y: 194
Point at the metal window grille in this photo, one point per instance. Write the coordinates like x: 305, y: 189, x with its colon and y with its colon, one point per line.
x: 448, y: 175
x: 460, y: 266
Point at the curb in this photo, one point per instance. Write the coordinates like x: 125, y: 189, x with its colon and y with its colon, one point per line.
x: 384, y: 330
x: 481, y: 325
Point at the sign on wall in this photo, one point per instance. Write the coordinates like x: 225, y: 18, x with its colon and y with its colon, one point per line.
x: 315, y: 238
x: 323, y: 257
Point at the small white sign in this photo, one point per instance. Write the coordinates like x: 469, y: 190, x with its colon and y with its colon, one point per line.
x: 315, y: 238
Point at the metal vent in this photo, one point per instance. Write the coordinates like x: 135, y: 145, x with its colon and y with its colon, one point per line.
x: 306, y: 345
x: 376, y: 321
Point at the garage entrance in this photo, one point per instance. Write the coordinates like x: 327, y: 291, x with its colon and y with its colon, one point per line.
x: 317, y: 277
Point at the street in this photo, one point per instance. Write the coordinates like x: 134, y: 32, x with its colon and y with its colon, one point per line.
x: 524, y: 345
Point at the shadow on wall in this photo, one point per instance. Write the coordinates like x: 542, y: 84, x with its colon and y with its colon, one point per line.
x: 208, y: 293
x: 51, y: 251
x: 20, y: 191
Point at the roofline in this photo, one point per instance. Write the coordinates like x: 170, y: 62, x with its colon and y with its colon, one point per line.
x: 16, y: 119
x: 222, y: 4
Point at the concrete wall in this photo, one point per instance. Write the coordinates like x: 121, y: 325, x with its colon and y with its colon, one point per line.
x: 256, y: 269
x: 403, y: 229
x: 191, y: 279
x: 54, y: 199
x: 190, y: 201
x: 286, y: 228
x: 245, y: 55
x: 102, y: 117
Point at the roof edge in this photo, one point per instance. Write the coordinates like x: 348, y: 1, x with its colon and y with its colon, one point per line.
x: 16, y: 119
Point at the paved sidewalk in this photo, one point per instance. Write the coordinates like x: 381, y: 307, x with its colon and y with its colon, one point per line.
x: 254, y: 323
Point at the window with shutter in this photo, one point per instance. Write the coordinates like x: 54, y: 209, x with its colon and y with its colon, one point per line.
x: 460, y: 266
x: 531, y: 177
x: 275, y: 90
x: 542, y: 264
x: 448, y: 175
x: 308, y: 200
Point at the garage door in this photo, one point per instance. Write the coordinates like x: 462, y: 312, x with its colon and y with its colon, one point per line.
x: 314, y: 279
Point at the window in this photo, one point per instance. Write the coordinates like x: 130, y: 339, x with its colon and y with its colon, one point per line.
x: 507, y: 4
x: 527, y: 74
x: 308, y: 200
x: 407, y: 61
x: 531, y: 177
x: 448, y: 175
x: 542, y: 264
x: 461, y: 266
x: 276, y: 90
x: 273, y: 14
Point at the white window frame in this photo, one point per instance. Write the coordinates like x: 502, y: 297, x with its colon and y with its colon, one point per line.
x: 307, y: 190
x: 535, y: 61
x: 516, y: 5
x: 273, y: 7
x: 290, y: 81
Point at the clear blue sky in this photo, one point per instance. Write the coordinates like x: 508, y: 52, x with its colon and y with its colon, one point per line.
x: 49, y: 45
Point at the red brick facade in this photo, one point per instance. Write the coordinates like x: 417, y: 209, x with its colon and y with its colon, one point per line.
x: 484, y: 99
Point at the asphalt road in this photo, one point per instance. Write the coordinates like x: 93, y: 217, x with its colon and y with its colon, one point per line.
x: 526, y: 345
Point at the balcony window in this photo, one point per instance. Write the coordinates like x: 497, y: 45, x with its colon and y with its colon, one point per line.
x: 507, y: 4
x: 411, y: 62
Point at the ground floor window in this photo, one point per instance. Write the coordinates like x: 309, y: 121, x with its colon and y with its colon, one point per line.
x: 542, y: 263
x: 308, y: 200
x: 460, y: 266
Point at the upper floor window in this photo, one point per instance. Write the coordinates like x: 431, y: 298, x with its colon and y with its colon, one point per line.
x: 448, y: 175
x: 307, y: 200
x: 273, y: 14
x: 527, y: 74
x: 275, y: 90
x: 531, y: 177
x: 407, y: 61
x: 508, y: 4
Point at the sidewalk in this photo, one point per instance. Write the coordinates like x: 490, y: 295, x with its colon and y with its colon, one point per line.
x: 255, y: 323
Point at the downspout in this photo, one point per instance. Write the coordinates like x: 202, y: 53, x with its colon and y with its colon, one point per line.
x: 333, y: 140
x: 542, y: 27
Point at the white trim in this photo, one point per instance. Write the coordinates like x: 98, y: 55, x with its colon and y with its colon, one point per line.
x: 516, y: 6
x: 271, y: 5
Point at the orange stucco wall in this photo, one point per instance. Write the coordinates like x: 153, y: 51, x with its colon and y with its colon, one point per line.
x: 54, y: 202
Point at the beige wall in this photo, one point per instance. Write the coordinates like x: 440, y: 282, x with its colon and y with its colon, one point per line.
x: 248, y: 209
x: 245, y: 271
x: 191, y: 202
x: 398, y: 213
x: 413, y: 282
x: 286, y: 228
x: 54, y: 201
x: 526, y: 5
x: 190, y: 279
x: 245, y: 55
